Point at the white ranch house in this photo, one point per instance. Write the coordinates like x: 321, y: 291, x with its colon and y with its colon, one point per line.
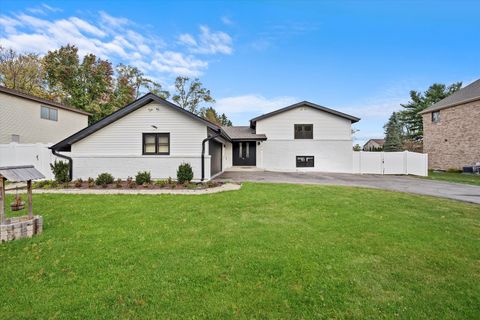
x: 156, y: 135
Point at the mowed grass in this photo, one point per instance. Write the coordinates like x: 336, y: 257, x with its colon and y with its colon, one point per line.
x: 455, y: 177
x: 267, y: 251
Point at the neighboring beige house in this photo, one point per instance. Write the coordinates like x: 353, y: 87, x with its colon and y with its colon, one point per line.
x: 28, y: 119
x: 374, y: 145
x: 451, y: 129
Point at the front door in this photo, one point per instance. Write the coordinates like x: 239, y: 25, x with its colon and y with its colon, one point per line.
x: 244, y: 153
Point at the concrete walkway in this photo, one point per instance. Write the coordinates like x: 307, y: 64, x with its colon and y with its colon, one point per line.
x: 456, y: 191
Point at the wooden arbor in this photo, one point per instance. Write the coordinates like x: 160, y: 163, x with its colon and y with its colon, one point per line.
x: 25, y: 226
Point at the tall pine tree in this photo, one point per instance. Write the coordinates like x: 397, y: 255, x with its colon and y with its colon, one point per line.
x: 393, y: 134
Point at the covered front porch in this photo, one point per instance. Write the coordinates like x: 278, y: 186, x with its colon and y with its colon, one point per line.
x: 244, y: 149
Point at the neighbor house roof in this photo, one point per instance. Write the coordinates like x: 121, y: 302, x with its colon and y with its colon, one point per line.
x: 243, y: 133
x: 466, y: 94
x: 65, y: 144
x: 17, y: 93
x: 378, y: 141
x: 308, y: 104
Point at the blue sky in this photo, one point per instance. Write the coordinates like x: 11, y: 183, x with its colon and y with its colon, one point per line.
x: 359, y: 57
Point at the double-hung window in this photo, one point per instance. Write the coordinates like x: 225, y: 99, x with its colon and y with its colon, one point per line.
x: 48, y: 113
x: 304, y: 131
x: 156, y: 143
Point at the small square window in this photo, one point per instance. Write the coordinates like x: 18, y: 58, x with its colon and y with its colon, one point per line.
x: 156, y: 143
x: 15, y: 138
x: 48, y: 113
x: 436, y: 116
x: 304, y: 131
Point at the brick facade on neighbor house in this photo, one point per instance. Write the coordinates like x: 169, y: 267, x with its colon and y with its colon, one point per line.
x: 453, y: 141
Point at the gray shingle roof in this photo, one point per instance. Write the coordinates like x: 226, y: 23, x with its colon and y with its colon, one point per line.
x: 20, y: 173
x: 243, y: 133
x: 464, y: 95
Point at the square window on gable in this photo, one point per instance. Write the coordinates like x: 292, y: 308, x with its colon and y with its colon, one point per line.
x: 304, y: 131
x: 436, y: 116
x: 48, y: 113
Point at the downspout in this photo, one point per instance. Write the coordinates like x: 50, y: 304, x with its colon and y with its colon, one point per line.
x: 70, y: 162
x: 203, y: 152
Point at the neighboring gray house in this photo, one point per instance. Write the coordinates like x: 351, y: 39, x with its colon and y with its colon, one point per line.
x: 29, y: 119
x: 156, y: 135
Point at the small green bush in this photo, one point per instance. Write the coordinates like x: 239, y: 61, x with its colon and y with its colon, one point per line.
x: 104, y: 179
x: 61, y: 171
x: 118, y: 183
x: 161, y: 183
x: 184, y: 173
x: 91, y: 180
x: 143, y: 177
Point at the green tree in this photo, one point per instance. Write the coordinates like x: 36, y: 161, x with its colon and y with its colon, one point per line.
x: 393, y: 134
x: 189, y: 94
x: 211, y: 115
x: 23, y: 72
x: 410, y: 117
x: 357, y: 147
x: 86, y: 85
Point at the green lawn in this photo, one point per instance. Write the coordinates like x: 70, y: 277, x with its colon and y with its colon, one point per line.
x: 455, y: 177
x: 266, y: 251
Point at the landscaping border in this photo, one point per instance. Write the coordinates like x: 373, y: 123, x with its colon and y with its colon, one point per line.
x: 139, y: 190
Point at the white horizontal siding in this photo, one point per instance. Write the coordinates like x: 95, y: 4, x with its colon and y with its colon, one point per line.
x: 19, y: 116
x: 124, y: 136
x: 326, y: 126
x: 331, y: 144
x: 330, y: 155
x: 117, y: 148
x: 160, y: 167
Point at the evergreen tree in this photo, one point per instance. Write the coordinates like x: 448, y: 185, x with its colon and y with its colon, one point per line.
x: 410, y: 117
x: 393, y: 134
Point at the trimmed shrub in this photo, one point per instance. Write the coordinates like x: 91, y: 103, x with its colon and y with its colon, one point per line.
x: 143, y: 177
x: 184, y: 173
x: 103, y: 179
x: 60, y: 170
x: 78, y: 183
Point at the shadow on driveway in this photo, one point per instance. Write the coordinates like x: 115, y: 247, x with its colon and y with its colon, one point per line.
x: 456, y: 191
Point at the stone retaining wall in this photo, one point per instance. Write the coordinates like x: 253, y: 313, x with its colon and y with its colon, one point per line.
x: 20, y: 227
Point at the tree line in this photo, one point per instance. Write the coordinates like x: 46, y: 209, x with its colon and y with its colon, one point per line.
x: 94, y: 85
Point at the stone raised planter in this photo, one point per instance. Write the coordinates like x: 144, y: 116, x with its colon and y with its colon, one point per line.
x: 20, y: 227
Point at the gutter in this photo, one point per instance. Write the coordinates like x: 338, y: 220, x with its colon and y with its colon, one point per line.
x: 203, y: 152
x: 70, y: 162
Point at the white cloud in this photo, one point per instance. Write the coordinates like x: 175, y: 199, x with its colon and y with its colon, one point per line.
x: 208, y: 42
x: 252, y: 103
x: 115, y: 38
x: 227, y: 21
x: 43, y: 9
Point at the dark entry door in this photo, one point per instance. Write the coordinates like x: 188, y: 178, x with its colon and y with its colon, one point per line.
x: 245, y: 153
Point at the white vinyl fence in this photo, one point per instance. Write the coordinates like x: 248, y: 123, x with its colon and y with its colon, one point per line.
x: 38, y: 155
x: 390, y: 163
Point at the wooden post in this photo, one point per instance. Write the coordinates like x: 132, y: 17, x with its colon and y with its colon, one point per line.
x: 2, y: 200
x: 29, y: 190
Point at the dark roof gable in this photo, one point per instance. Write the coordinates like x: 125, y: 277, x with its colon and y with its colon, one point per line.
x: 304, y: 103
x: 65, y: 144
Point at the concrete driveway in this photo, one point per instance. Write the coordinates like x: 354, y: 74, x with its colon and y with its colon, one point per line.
x: 456, y: 191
